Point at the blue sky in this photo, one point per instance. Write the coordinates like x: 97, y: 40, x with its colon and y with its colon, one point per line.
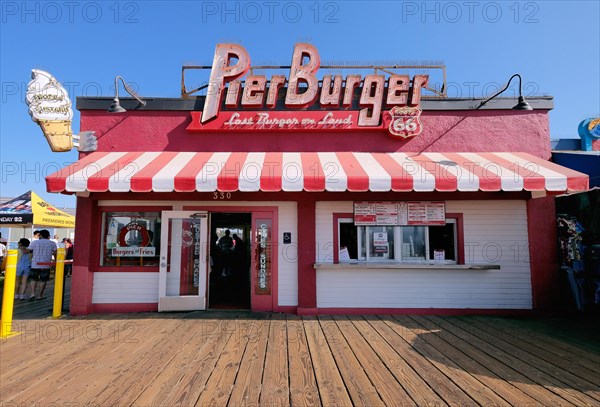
x: 554, y: 45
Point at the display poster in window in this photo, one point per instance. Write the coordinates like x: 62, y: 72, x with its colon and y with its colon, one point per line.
x: 426, y: 213
x: 344, y: 255
x: 113, y: 227
x: 380, y: 242
x: 422, y: 213
x: 263, y: 257
x: 133, y: 240
x: 189, y: 269
x: 129, y: 239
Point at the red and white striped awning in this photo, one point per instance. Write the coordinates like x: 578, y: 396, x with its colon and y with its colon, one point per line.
x: 313, y: 171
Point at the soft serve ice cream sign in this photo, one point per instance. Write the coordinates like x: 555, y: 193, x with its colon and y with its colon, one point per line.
x: 50, y: 107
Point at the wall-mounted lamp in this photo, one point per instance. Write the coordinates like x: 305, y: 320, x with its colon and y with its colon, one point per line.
x: 116, y: 105
x: 521, y: 105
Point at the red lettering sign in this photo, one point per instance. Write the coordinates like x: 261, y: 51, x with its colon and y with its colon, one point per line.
x: 302, y: 92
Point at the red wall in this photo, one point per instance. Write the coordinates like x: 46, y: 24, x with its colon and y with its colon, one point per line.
x: 444, y: 131
x: 86, y: 254
x: 307, y: 275
x: 543, y: 242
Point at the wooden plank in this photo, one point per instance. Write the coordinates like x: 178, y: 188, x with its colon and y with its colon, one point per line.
x: 42, y: 388
x: 400, y: 338
x: 216, y: 334
x: 332, y: 390
x: 511, y: 369
x: 35, y: 337
x: 361, y: 389
x: 552, y: 355
x: 549, y: 374
x: 85, y: 346
x: 44, y: 337
x: 508, y: 394
x: 546, y: 339
x: 117, y: 369
x: 219, y: 386
x: 134, y: 378
x: 168, y: 380
x: 179, y: 370
x: 85, y: 368
x: 404, y: 374
x: 469, y: 384
x: 389, y: 389
x: 581, y: 332
x: 275, y: 391
x: 248, y: 383
x: 303, y: 384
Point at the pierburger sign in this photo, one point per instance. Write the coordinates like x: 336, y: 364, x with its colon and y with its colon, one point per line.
x: 386, y: 103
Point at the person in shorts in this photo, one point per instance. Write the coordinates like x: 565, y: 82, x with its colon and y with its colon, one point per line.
x: 43, y: 251
x: 23, y: 269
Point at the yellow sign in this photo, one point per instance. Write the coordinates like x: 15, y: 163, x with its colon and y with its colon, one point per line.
x: 29, y: 208
x: 47, y: 215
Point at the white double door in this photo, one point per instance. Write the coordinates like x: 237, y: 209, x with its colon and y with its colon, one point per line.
x: 183, y: 261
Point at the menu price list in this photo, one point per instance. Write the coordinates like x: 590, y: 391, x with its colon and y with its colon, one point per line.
x: 399, y: 213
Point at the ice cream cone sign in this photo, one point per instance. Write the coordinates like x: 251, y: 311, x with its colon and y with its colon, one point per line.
x: 50, y: 107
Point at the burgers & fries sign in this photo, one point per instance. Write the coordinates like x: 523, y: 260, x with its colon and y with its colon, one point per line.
x: 391, y: 103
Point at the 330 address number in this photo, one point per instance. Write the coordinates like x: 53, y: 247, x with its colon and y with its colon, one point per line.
x: 221, y: 195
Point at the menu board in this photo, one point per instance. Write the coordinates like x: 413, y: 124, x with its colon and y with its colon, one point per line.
x: 386, y: 213
x: 399, y: 213
x: 364, y: 213
x: 426, y: 213
x: 402, y: 213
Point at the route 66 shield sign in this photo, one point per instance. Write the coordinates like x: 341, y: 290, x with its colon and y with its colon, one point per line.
x: 405, y: 121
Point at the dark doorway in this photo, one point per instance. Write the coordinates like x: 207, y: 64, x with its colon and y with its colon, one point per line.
x: 229, y: 281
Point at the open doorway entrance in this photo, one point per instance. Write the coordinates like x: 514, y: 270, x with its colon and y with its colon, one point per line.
x: 229, y: 282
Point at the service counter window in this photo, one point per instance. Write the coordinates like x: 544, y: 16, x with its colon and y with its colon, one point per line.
x: 399, y: 244
x: 130, y: 239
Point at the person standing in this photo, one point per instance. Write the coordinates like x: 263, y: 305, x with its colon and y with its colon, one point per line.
x: 69, y: 256
x: 23, y: 269
x: 3, y: 254
x: 225, y: 245
x: 239, y: 256
x: 43, y: 250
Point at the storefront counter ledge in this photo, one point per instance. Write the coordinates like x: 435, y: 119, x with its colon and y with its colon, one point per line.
x: 400, y: 266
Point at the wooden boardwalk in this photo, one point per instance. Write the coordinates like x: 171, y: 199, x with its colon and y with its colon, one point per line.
x: 245, y: 359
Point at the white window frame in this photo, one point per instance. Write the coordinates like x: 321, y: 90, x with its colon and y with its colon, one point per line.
x: 397, y: 244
